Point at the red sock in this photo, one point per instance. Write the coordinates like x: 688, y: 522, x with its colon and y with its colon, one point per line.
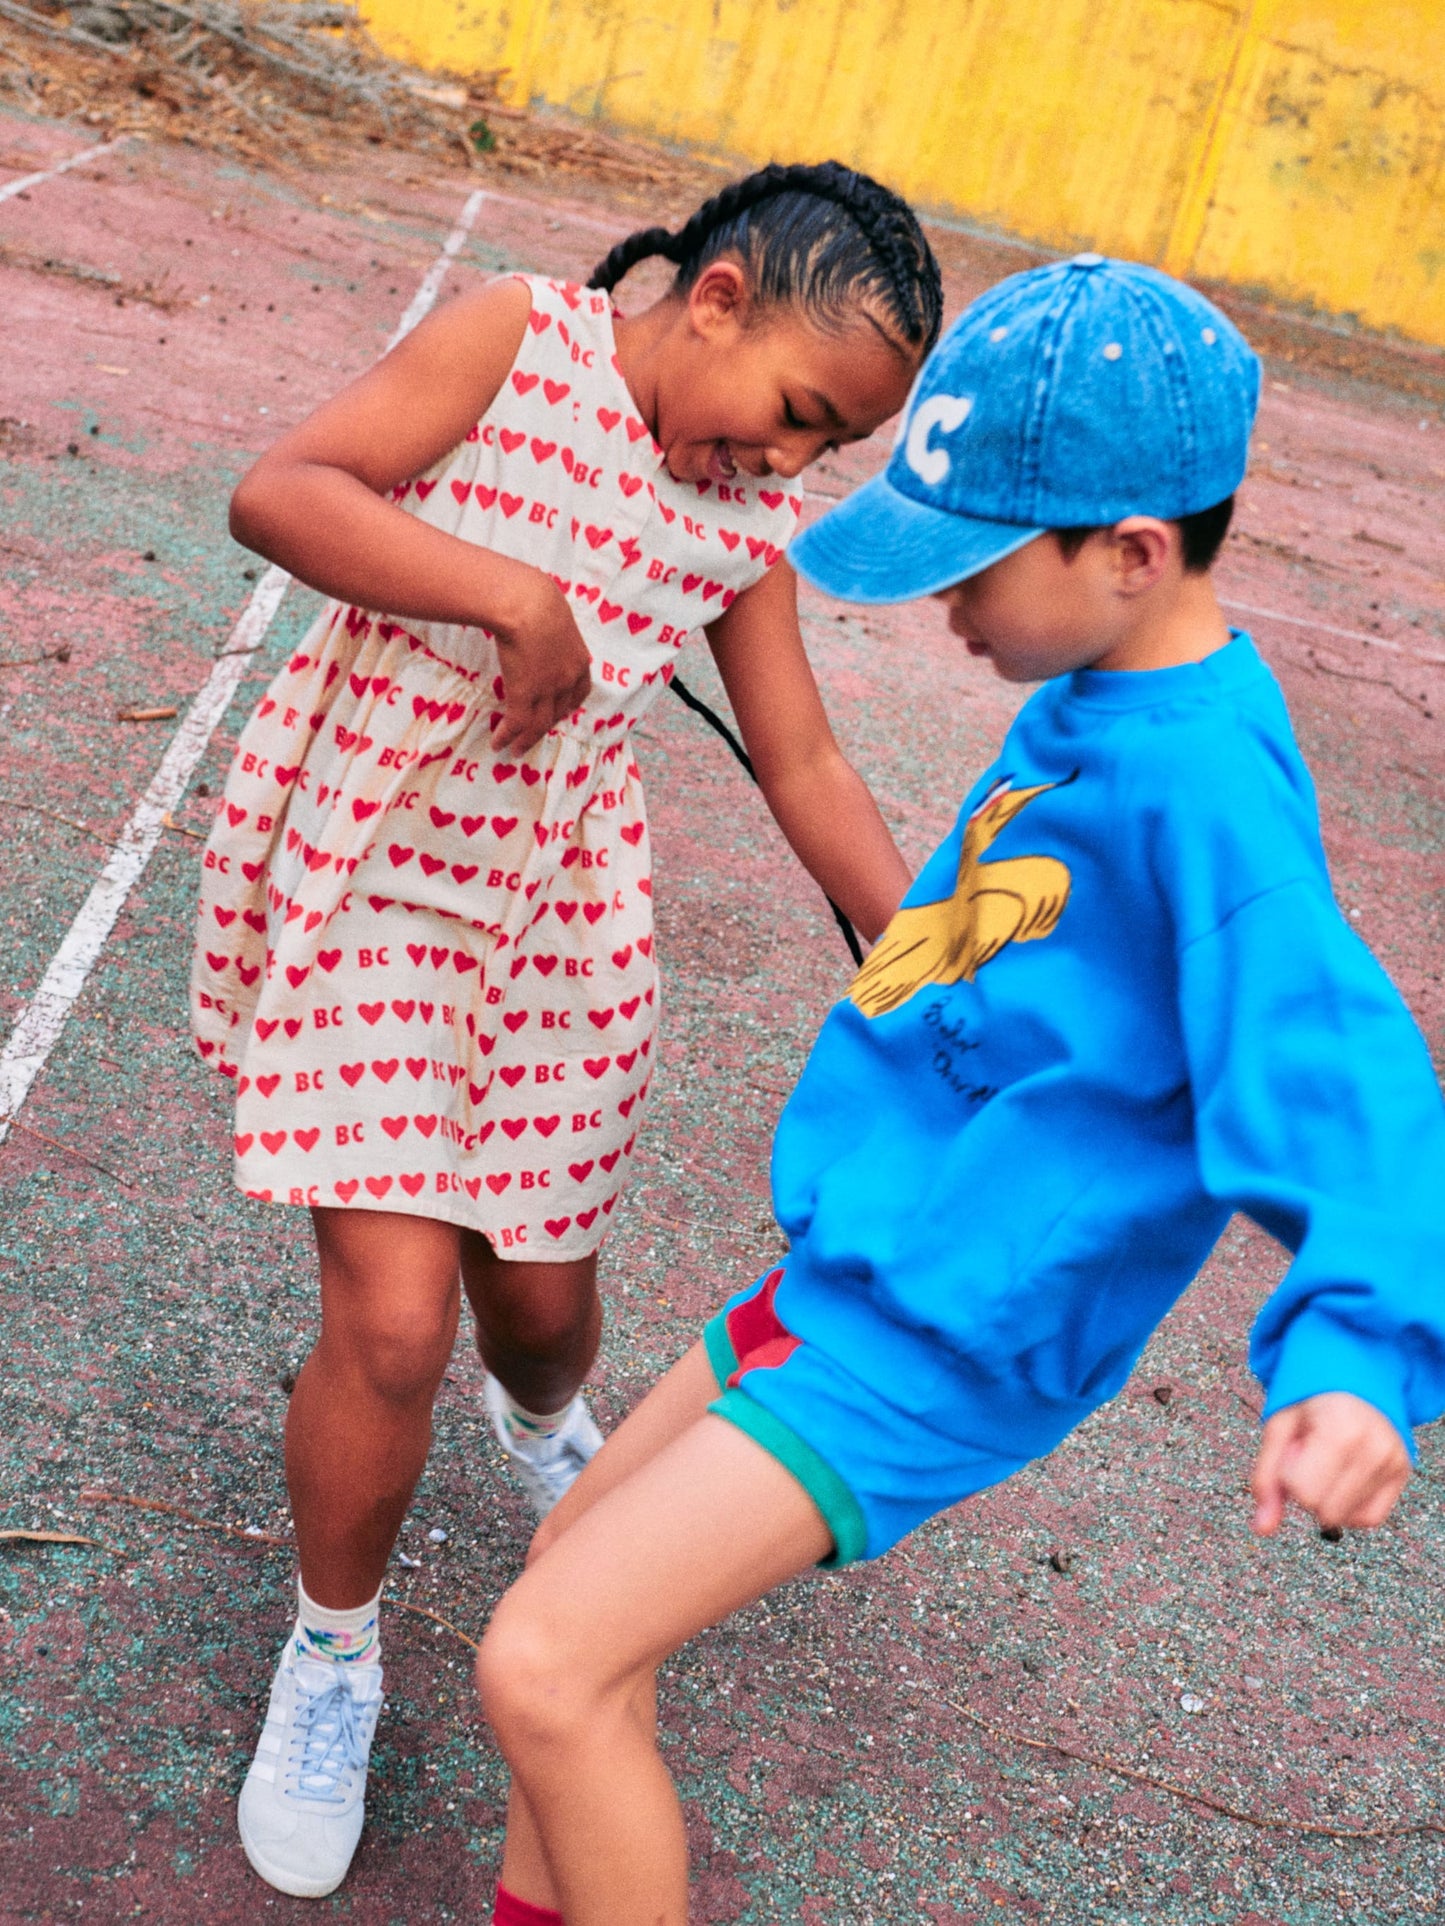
x: 512, y: 1911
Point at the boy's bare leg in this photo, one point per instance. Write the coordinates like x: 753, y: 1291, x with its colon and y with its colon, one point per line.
x: 359, y: 1424
x: 674, y: 1405
x: 696, y: 1531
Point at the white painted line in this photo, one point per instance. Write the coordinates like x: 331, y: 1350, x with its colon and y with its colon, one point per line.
x: 41, y: 1020
x: 426, y: 294
x: 12, y: 188
x: 1324, y: 628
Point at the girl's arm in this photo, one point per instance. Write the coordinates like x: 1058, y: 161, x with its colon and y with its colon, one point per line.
x: 821, y: 803
x: 315, y: 504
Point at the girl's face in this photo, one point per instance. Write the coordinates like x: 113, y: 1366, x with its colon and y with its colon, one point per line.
x: 739, y: 392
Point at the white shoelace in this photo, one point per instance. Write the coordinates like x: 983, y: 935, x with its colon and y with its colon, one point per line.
x: 331, y: 1742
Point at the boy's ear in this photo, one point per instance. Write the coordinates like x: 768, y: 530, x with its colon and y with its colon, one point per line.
x: 1142, y: 548
x: 720, y: 298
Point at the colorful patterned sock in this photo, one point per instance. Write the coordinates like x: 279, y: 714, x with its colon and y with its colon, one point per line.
x: 512, y: 1911
x: 347, y: 1638
x: 532, y: 1427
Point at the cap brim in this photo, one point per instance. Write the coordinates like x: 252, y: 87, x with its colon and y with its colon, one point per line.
x: 881, y: 546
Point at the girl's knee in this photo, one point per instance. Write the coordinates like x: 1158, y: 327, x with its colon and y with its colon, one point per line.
x: 399, y: 1357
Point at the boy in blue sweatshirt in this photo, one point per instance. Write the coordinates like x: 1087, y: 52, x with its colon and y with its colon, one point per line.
x: 1118, y: 1005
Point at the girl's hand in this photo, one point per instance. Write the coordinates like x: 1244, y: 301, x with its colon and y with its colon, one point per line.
x: 546, y: 670
x: 1336, y: 1456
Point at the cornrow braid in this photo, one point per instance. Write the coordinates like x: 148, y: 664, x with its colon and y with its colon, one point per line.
x: 785, y: 223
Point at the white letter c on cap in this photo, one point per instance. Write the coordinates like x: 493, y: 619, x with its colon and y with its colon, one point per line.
x: 947, y: 412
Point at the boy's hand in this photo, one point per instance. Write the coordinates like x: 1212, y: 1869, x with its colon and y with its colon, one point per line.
x: 546, y: 670
x: 1336, y: 1456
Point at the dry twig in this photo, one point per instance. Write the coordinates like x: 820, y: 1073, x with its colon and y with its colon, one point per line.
x: 1264, y: 1822
x: 100, y: 1497
x: 39, y: 809
x: 81, y: 1156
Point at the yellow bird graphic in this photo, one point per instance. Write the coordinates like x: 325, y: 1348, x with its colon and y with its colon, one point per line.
x: 1015, y: 900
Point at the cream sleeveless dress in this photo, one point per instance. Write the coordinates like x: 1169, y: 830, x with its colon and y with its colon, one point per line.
x: 430, y: 968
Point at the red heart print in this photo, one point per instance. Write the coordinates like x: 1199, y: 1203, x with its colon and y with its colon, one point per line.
x: 386, y: 1068
x: 352, y: 1073
x: 504, y: 825
x: 609, y: 611
x: 431, y: 864
x: 346, y: 1189
x: 378, y: 1186
x: 361, y: 809
x: 636, y: 429
x: 243, y: 1143
x: 524, y: 383
x: 293, y: 1026
x: 557, y: 1226
x: 393, y: 1126
x: 542, y: 450
x: 689, y: 583
x: 609, y: 417
x: 424, y: 488
x: 601, y: 1017
x: 594, y: 911
x: 328, y: 959
x: 629, y: 484
x: 629, y: 1008
x: 597, y: 537
x: 511, y: 439
x: 513, y: 1074
x: 545, y: 1125
x: 610, y: 1159
x: 307, y: 1139
x: 268, y: 1086
x: 464, y: 872
x: 633, y: 832
x: 555, y: 390
x: 581, y: 1171
x: 417, y: 953
x: 296, y: 977
x: 626, y: 1063
x: 403, y: 1008
x: 486, y: 497
x: 539, y: 322
x: 772, y: 496
x: 566, y: 911
x: 514, y: 1126
x: 272, y: 1140
x: 265, y: 1025
x: 514, y: 1019
x: 501, y: 772
x: 399, y: 855
x: 510, y: 503
x: 416, y: 1067
x: 471, y: 824
x: 622, y: 956
x: 426, y: 1125
x: 586, y: 1218
x: 637, y: 623
x: 461, y: 490
x: 729, y: 537
x: 596, y: 1066
x: 412, y: 1185
x: 497, y: 1184
x: 644, y: 943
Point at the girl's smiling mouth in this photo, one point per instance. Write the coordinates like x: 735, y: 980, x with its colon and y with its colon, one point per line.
x: 720, y: 463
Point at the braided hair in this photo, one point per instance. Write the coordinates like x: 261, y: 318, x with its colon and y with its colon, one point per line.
x: 822, y: 237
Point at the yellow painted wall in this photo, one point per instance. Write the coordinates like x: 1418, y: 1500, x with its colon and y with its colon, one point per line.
x: 1295, y: 146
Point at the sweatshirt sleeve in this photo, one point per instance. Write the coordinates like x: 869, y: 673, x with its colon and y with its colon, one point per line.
x: 1319, y: 1115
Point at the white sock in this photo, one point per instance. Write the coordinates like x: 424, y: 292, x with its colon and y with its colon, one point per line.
x: 531, y: 1427
x: 344, y: 1637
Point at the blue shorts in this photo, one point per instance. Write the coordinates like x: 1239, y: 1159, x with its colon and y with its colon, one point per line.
x: 873, y: 1470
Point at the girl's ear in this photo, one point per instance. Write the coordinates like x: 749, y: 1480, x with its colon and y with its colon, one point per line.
x: 719, y: 302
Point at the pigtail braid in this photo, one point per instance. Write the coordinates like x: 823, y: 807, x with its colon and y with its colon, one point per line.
x: 900, y: 263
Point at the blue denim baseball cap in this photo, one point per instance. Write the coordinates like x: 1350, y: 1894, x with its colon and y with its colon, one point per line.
x: 1066, y: 397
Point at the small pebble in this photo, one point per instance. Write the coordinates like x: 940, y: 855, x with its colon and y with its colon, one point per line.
x: 1252, y: 1684
x: 437, y: 1535
x: 410, y: 1564
x: 72, y: 448
x: 1191, y: 1702
x: 1331, y: 1534
x: 287, y: 1382
x: 1164, y: 1394
x: 149, y: 556
x: 1062, y: 1561
x: 62, y: 654
x: 95, y: 427
x: 204, y: 789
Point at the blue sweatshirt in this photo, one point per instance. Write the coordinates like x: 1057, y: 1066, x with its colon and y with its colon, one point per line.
x: 1119, y: 1004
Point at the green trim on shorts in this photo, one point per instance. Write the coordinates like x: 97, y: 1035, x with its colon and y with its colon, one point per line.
x: 842, y: 1513
x: 719, y: 1347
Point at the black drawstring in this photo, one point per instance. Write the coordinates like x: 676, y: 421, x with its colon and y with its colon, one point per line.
x: 700, y: 708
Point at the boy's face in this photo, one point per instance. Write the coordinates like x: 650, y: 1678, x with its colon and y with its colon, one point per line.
x: 1038, y: 613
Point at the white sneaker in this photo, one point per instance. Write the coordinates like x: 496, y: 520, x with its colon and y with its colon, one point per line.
x: 545, y: 1468
x: 303, y: 1802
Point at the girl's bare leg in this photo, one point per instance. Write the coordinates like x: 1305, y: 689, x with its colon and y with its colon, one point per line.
x: 538, y: 1325
x: 359, y: 1426
x: 701, y: 1528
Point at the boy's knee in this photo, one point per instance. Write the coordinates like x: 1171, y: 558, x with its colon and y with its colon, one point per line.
x: 534, y: 1692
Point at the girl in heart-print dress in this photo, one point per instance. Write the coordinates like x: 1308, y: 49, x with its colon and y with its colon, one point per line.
x: 425, y: 947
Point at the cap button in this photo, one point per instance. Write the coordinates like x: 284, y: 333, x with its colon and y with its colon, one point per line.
x: 1087, y: 261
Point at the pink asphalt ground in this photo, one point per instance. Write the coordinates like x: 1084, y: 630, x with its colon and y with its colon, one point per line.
x: 171, y: 313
